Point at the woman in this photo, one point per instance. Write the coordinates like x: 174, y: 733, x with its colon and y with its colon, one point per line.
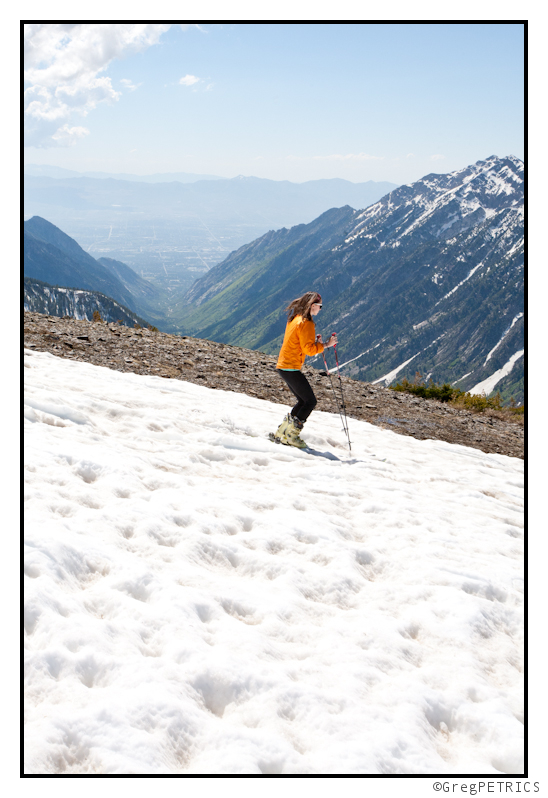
x: 300, y: 339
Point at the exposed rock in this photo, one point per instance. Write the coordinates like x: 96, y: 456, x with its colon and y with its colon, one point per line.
x: 232, y: 368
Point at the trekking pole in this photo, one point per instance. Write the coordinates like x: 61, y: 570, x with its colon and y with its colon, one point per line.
x: 333, y: 387
x: 342, y: 399
x: 336, y: 398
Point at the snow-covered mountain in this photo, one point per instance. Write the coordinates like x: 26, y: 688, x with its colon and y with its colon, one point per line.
x: 441, y: 206
x: 41, y: 297
x: 429, y: 279
x: 199, y: 600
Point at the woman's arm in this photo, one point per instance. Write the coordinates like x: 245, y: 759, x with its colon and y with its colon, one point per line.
x: 312, y: 344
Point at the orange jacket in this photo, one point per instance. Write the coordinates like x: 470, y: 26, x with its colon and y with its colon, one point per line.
x: 299, y: 341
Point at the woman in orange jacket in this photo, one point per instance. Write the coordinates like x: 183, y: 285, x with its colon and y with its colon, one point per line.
x: 300, y: 339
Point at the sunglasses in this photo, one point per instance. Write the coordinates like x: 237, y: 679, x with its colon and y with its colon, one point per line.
x: 319, y: 304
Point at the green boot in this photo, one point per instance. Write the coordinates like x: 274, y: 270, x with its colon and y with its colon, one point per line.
x: 280, y: 432
x: 292, y: 436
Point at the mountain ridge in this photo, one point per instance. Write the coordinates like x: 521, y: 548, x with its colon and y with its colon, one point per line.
x: 430, y: 275
x: 44, y: 170
x: 277, y: 203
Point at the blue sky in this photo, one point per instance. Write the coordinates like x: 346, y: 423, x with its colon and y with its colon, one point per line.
x: 282, y: 101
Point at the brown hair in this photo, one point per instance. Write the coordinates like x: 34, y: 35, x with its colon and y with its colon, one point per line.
x: 302, y: 305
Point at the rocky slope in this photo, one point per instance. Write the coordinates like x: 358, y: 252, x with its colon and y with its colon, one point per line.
x: 232, y: 368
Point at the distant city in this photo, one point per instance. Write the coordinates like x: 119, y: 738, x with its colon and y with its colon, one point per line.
x: 171, y: 253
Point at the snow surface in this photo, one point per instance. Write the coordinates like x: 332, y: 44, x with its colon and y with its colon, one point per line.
x: 202, y: 601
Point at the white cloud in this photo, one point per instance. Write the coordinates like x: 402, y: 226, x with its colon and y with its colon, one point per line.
x: 128, y: 84
x: 62, y: 66
x: 437, y: 157
x: 189, y: 80
x: 67, y: 136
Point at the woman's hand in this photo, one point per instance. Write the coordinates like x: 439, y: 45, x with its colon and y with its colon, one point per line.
x: 331, y: 342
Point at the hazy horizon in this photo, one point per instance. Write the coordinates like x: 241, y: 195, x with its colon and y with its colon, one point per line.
x: 89, y: 172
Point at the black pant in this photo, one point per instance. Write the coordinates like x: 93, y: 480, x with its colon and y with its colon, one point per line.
x: 299, y: 385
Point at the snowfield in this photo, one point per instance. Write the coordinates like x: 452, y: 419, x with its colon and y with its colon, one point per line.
x: 199, y: 600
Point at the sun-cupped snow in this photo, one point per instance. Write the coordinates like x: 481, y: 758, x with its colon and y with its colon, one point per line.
x: 488, y: 385
x: 199, y: 600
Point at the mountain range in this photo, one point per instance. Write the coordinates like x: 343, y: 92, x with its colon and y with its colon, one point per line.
x: 249, y: 200
x: 43, y: 170
x: 428, y: 279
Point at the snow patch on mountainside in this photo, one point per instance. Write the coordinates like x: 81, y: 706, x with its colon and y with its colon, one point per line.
x: 358, y: 356
x: 488, y: 385
x: 387, y: 378
x: 468, y: 276
x: 460, y: 379
x: 505, y: 333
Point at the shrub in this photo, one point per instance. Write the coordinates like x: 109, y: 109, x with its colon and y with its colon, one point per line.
x: 97, y: 316
x: 443, y: 393
x: 477, y: 403
x: 516, y: 410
